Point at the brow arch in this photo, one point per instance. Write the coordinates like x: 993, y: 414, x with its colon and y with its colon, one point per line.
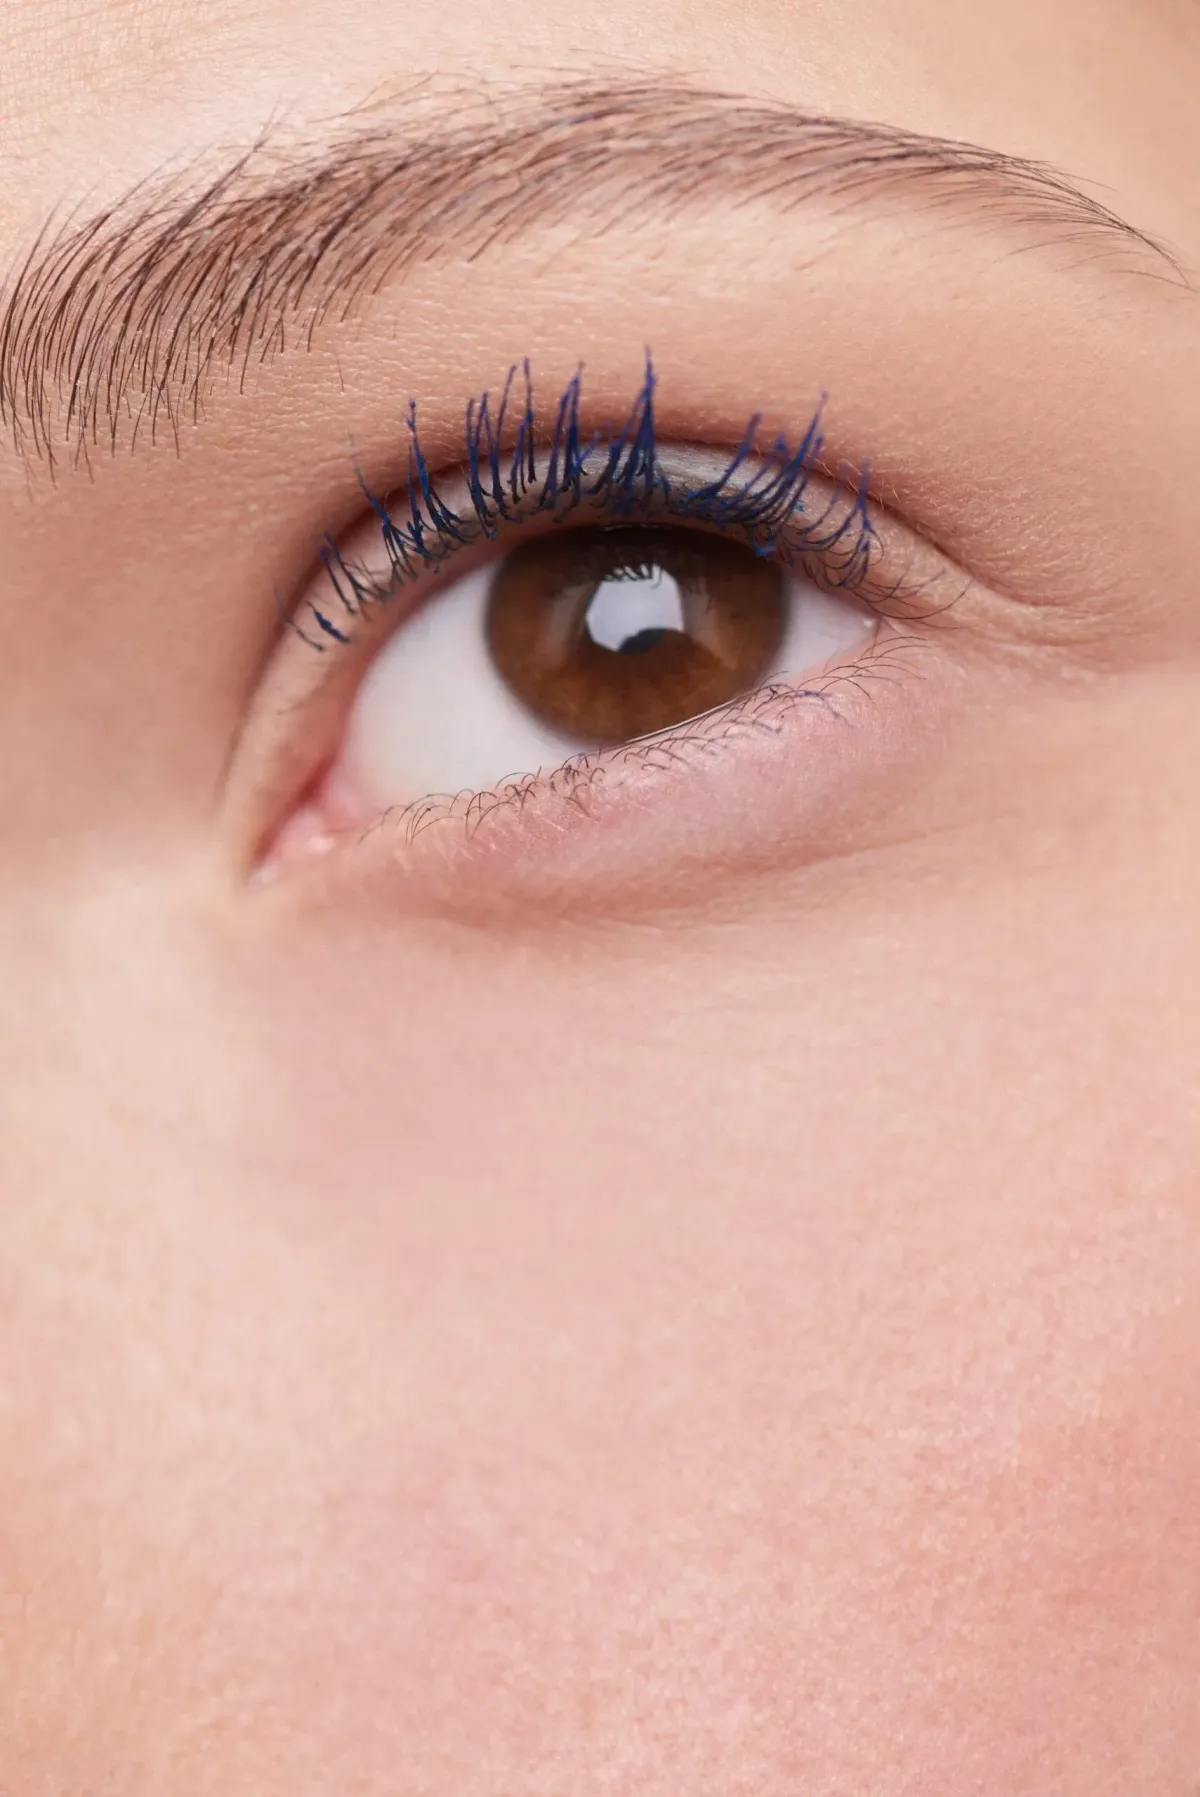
x: 118, y: 322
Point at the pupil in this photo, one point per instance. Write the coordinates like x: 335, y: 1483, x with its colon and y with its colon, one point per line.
x: 644, y: 641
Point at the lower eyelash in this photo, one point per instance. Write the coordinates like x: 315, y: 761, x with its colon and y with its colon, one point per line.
x: 763, y: 710
x: 757, y: 496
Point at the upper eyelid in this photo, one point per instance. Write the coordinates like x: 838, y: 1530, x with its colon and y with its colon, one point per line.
x: 128, y: 315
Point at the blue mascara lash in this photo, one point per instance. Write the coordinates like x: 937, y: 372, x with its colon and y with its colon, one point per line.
x: 510, y: 476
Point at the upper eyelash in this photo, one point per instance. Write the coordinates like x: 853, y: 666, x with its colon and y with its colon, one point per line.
x: 758, y: 495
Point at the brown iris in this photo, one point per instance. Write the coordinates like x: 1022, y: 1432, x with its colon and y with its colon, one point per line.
x: 613, y: 633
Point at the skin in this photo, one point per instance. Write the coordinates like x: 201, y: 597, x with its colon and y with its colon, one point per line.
x: 702, y: 1300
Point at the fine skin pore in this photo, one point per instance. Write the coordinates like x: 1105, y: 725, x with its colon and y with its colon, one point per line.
x: 695, y: 1295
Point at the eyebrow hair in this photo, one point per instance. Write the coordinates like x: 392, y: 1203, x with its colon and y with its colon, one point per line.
x: 121, y: 321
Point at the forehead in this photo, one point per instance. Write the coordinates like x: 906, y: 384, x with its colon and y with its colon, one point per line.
x: 1105, y: 91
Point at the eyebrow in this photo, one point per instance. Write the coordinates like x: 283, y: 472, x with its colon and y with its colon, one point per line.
x: 118, y: 323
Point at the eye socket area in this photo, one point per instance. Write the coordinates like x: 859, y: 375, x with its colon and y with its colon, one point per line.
x: 578, y: 641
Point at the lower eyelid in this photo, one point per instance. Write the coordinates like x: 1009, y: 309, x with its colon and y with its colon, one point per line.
x: 760, y: 782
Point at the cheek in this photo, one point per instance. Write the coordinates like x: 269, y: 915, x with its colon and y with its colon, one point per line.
x: 750, y: 1353
x: 722, y: 1357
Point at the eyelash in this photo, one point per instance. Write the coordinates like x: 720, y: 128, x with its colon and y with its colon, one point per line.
x: 759, y: 497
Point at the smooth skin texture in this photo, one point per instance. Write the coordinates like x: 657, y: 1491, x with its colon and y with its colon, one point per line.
x: 702, y: 1299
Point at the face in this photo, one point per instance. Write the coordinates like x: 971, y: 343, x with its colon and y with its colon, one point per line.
x: 673, y: 1267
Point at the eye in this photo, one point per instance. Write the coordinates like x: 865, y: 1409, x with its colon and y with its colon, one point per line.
x: 580, y: 640
x: 509, y: 629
